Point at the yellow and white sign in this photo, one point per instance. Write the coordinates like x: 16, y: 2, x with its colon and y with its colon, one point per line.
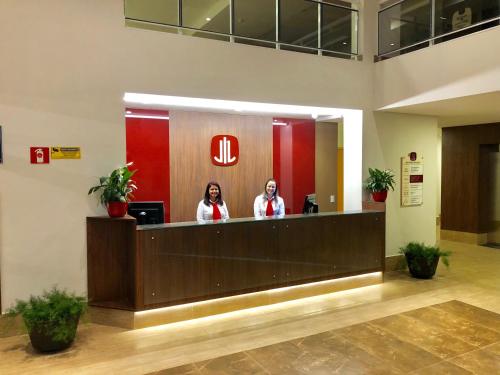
x: 58, y: 152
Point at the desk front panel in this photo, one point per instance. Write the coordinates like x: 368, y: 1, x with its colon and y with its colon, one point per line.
x: 194, y: 263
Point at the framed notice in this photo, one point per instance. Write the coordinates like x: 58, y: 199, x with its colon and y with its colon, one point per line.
x: 412, y: 180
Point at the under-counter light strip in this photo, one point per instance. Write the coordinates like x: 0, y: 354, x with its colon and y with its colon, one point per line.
x: 270, y: 291
x: 148, y: 116
x: 232, y: 105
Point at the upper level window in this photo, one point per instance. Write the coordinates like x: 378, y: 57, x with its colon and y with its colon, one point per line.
x: 210, y: 15
x: 157, y: 11
x: 323, y: 27
x: 409, y: 24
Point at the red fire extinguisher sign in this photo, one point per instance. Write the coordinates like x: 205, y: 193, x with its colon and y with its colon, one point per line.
x: 39, y: 155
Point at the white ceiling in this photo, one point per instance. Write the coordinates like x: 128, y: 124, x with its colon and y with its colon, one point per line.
x: 475, y: 109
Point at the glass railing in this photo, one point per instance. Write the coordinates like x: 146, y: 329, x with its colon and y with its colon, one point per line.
x: 328, y: 27
x: 409, y: 25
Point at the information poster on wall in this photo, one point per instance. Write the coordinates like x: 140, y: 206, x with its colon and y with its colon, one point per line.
x: 412, y: 180
x: 65, y: 152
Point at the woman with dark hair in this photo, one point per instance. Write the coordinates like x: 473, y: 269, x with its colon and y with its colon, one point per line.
x: 212, y: 207
x: 269, y: 203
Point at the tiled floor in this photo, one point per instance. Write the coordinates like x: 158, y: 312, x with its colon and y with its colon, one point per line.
x: 452, y: 337
x: 358, y: 318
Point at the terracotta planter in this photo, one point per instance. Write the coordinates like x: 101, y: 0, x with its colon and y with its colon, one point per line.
x: 379, y: 196
x: 117, y: 209
x: 42, y: 340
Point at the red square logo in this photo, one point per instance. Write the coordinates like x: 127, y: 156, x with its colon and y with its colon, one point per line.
x: 224, y: 150
x: 39, y: 155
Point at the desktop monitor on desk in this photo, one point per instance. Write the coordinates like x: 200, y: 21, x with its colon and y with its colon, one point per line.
x: 147, y: 212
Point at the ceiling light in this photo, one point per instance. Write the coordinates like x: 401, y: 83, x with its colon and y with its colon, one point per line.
x: 208, y: 19
x: 344, y: 43
x: 148, y: 116
x: 391, y: 44
x: 128, y: 112
x: 232, y: 105
x: 279, y: 123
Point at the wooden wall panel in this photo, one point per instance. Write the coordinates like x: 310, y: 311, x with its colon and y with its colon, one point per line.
x: 326, y: 166
x: 191, y: 168
x: 464, y: 190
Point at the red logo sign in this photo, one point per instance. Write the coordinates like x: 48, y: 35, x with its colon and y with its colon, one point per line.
x: 39, y: 155
x: 224, y: 150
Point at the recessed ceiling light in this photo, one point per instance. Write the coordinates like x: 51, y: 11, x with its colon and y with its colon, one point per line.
x: 208, y: 19
x: 344, y: 43
x: 391, y: 44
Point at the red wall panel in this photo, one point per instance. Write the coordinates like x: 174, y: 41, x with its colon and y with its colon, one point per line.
x: 148, y: 149
x: 294, y: 161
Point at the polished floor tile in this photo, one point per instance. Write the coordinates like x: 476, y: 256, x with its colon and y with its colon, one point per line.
x: 454, y: 332
x: 397, y: 344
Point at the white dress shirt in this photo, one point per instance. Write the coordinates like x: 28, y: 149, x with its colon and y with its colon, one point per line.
x: 205, y: 212
x: 260, y: 206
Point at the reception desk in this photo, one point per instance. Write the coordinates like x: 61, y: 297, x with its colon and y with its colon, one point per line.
x: 137, y: 268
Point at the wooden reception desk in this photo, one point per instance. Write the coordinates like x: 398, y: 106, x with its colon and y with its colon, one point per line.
x: 139, y: 268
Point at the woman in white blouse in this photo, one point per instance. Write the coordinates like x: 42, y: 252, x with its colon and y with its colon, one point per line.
x: 269, y: 203
x: 212, y: 207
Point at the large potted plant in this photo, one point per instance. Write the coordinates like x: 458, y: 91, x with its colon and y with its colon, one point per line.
x: 116, y: 190
x: 422, y: 260
x: 50, y: 319
x: 379, y: 182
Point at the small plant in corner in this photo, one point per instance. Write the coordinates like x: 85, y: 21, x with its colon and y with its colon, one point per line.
x: 116, y: 190
x: 379, y: 182
x: 50, y: 319
x: 422, y: 260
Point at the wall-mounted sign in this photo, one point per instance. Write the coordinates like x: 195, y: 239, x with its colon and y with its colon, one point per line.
x: 39, y: 155
x: 412, y: 180
x: 224, y: 150
x: 65, y: 152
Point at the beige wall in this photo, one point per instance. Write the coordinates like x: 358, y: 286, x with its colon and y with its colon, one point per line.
x: 64, y: 69
x: 387, y: 138
x: 464, y: 66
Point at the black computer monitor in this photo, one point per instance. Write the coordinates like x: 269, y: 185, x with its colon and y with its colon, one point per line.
x: 310, y: 205
x: 147, y: 212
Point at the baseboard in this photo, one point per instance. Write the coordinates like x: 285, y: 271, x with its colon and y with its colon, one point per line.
x: 395, y: 263
x: 465, y: 237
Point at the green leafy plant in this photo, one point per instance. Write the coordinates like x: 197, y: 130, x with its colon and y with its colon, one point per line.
x: 117, y: 187
x: 380, y: 180
x: 416, y: 253
x: 55, y: 313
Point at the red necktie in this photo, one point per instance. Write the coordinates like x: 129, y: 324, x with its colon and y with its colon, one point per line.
x: 269, y: 208
x: 216, y: 215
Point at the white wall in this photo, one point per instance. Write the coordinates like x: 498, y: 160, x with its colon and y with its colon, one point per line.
x: 63, y: 71
x: 388, y: 137
x: 464, y: 66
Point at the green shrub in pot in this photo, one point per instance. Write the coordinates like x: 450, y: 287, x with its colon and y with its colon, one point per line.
x: 50, y: 319
x: 422, y: 260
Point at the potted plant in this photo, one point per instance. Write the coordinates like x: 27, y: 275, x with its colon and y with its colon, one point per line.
x: 379, y: 183
x: 422, y: 260
x: 116, y: 190
x: 51, y: 319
